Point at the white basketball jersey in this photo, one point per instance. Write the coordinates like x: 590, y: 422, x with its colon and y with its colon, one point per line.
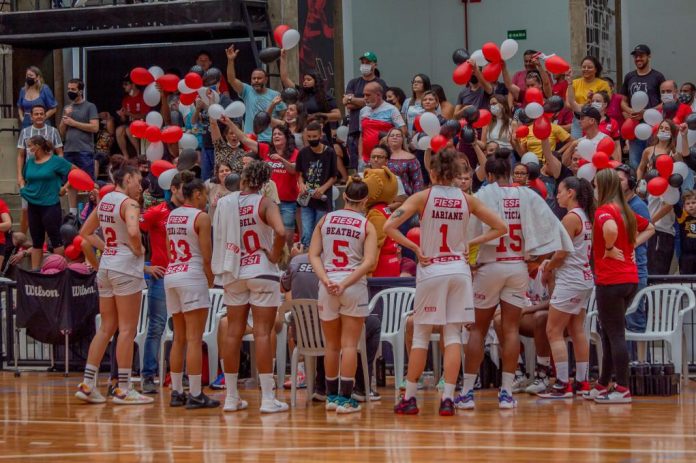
x: 443, y: 232
x: 256, y: 237
x: 186, y: 266
x: 117, y: 254
x: 575, y: 272
x: 343, y: 240
x: 537, y: 292
x: 510, y: 247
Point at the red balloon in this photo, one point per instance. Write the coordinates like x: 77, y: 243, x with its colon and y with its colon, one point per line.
x: 582, y: 162
x: 600, y: 160
x: 138, y: 128
x: 542, y: 128
x: 193, y: 81
x: 71, y: 252
x: 664, y: 165
x: 414, y: 235
x: 172, y: 134
x: 491, y: 52
x: 106, y: 189
x: 278, y: 34
x: 522, y: 131
x: 188, y: 98
x: 628, y: 129
x: 160, y: 166
x: 606, y: 146
x: 462, y: 73
x: 657, y: 186
x: 492, y: 71
x: 483, y: 120
x: 141, y: 76
x: 539, y: 186
x: 77, y: 241
x: 438, y: 142
x: 416, y: 124
x: 80, y: 180
x: 557, y: 65
x: 533, y: 95
x: 153, y: 134
x: 169, y: 83
x: 253, y: 136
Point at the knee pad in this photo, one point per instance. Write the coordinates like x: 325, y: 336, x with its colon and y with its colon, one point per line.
x: 421, y: 336
x: 453, y: 334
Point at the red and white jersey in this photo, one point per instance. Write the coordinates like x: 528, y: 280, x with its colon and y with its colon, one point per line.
x: 443, y: 232
x: 117, y: 254
x: 256, y: 237
x: 575, y: 272
x: 186, y: 265
x: 343, y: 241
x: 537, y: 292
x: 510, y: 247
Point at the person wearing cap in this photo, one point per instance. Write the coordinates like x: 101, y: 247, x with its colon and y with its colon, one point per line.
x: 354, y: 101
x: 133, y: 108
x: 590, y: 118
x: 646, y: 79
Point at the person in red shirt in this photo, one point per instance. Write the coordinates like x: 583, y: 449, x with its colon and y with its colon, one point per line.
x: 617, y: 231
x: 670, y: 97
x: 133, y: 107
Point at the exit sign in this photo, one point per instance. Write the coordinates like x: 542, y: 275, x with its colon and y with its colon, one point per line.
x: 517, y: 35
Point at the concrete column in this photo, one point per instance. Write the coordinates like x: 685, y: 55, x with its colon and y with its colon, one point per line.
x: 578, y: 32
x: 285, y: 12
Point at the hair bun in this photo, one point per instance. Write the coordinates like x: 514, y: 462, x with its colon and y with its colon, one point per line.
x: 503, y: 153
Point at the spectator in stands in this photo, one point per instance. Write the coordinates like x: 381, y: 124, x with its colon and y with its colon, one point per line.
x: 354, y: 101
x: 646, y: 79
x: 256, y: 97
x: 376, y: 116
x: 403, y: 163
x: 687, y: 234
x: 35, y: 92
x: 411, y: 107
x: 227, y: 145
x: 686, y: 95
x: 132, y: 108
x: 216, y: 185
x: 500, y: 128
x: 105, y: 140
x: 77, y: 127
x: 476, y: 93
x: 395, y: 96
x: 668, y: 95
x: 207, y: 157
x: 614, y: 110
x: 42, y: 187
x: 590, y: 119
x: 520, y: 77
x: 445, y: 107
x: 589, y: 83
x: 205, y: 60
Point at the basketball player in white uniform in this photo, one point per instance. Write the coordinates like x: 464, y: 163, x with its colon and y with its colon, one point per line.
x: 342, y: 251
x: 121, y: 281
x: 573, y: 286
x: 444, y: 294
x: 186, y: 286
x: 257, y: 287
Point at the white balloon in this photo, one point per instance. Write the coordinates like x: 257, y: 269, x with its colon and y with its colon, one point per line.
x: 341, y: 133
x: 534, y: 110
x: 680, y: 168
x: 215, y: 111
x: 188, y: 141
x: 156, y: 72
x: 151, y: 95
x: 586, y: 149
x: 587, y: 172
x: 184, y: 109
x: 652, y: 116
x: 529, y: 158
x: 154, y: 118
x: 680, y: 143
x: 424, y: 142
x: 290, y: 39
x: 479, y: 58
x: 154, y: 151
x: 508, y: 49
x: 237, y: 109
x: 671, y: 196
x: 691, y: 136
x: 430, y: 124
x: 643, y: 131
x: 165, y: 178
x: 183, y: 89
x: 203, y: 93
x: 639, y: 101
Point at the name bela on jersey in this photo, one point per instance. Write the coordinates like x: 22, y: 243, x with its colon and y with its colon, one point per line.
x: 447, y: 203
x: 246, y: 221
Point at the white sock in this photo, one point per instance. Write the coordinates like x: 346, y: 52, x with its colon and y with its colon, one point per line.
x: 506, y: 385
x: 124, y: 378
x: 448, y: 393
x: 231, y: 384
x: 73, y: 210
x: 195, y: 385
x: 411, y: 389
x: 300, y: 368
x: 469, y: 381
x: 177, y: 382
x: 544, y: 361
x: 90, y: 377
x: 581, y: 371
x: 562, y: 371
x: 267, y: 386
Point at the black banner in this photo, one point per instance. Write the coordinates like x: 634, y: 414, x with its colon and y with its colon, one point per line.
x: 315, y: 21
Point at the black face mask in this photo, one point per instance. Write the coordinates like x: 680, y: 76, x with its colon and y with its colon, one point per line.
x: 30, y: 81
x: 314, y: 143
x: 685, y: 97
x: 474, y: 80
x: 309, y: 90
x: 73, y: 95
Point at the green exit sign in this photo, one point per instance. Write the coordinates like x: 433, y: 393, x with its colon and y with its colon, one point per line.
x: 517, y: 35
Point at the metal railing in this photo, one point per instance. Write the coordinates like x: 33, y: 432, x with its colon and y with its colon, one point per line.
x: 56, y: 4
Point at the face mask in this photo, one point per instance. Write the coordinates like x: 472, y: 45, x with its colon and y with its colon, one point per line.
x: 667, y: 97
x: 597, y: 106
x: 312, y: 90
x: 685, y: 97
x: 664, y: 136
x: 474, y: 80
x: 365, y: 69
x: 314, y: 143
x: 496, y: 110
x: 73, y: 95
x: 291, y: 121
x: 30, y: 81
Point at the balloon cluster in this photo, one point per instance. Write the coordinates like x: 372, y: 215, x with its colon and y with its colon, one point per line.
x: 597, y: 159
x: 490, y: 57
x: 285, y: 37
x: 664, y: 181
x: 74, y: 249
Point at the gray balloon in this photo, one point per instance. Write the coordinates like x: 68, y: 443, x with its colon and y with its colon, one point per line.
x: 261, y: 122
x: 289, y: 95
x: 232, y: 182
x: 211, y: 77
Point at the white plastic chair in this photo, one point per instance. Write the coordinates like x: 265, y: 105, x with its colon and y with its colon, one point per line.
x: 395, y: 303
x: 310, y: 343
x: 665, y: 307
x: 591, y: 331
x: 281, y: 350
x: 141, y: 333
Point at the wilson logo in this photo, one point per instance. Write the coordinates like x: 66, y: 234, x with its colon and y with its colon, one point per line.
x: 38, y: 291
x: 78, y: 291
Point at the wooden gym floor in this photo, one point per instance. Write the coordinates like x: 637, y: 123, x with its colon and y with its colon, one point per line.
x: 42, y: 421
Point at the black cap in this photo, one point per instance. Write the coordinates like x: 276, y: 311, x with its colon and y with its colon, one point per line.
x: 589, y: 111
x: 641, y: 49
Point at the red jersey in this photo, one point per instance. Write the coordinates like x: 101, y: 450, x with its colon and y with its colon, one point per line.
x: 610, y: 128
x: 4, y: 210
x: 612, y: 271
x: 135, y: 104
x: 154, y: 223
x: 284, y: 180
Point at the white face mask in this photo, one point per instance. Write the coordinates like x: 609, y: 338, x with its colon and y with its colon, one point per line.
x: 365, y: 69
x: 597, y: 105
x: 664, y: 136
x: 667, y: 97
x: 496, y: 110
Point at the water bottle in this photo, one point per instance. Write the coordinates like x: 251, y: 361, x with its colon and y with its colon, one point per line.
x: 381, y: 373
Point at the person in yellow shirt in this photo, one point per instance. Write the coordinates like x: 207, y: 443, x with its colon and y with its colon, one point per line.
x: 582, y: 88
x: 530, y: 143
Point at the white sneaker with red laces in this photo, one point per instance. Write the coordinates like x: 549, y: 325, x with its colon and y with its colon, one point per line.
x: 615, y: 396
x: 596, y: 391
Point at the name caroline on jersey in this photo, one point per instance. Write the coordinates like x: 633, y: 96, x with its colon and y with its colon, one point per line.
x: 248, y: 221
x: 447, y: 203
x: 109, y: 209
x: 341, y: 231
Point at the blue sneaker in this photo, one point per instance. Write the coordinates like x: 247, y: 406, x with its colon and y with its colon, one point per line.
x: 466, y: 401
x: 505, y: 400
x: 219, y: 383
x: 346, y: 405
x: 332, y: 402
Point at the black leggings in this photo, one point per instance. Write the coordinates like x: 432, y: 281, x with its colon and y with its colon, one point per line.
x: 45, y: 220
x: 612, y: 302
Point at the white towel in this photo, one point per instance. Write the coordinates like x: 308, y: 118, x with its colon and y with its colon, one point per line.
x: 226, y: 236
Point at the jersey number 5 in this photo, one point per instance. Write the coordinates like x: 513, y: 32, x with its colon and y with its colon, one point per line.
x: 340, y: 257
x: 515, y: 236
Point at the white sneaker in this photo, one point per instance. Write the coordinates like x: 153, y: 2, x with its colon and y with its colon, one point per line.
x: 131, y: 397
x: 273, y: 406
x: 89, y: 394
x: 595, y: 392
x: 614, y: 397
x: 538, y: 386
x: 234, y: 404
x: 520, y: 383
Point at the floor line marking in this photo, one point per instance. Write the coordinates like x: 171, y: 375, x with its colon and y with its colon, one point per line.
x: 40, y: 443
x: 85, y: 444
